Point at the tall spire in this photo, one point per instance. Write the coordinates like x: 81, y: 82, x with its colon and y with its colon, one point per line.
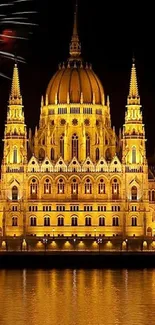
x: 15, y: 96
x: 133, y: 90
x: 75, y: 46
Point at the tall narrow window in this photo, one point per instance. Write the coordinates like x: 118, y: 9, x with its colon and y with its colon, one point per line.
x: 101, y: 187
x: 87, y: 145
x: 52, y: 154
x: 74, y: 221
x: 115, y: 221
x: 134, y: 193
x: 88, y: 221
x: 46, y: 221
x: 15, y: 155
x: 134, y: 222
x: 102, y: 222
x: 14, y: 222
x: 61, y: 186
x: 88, y: 186
x: 134, y: 155
x: 62, y: 146
x: 60, y: 221
x: 97, y: 154
x: 75, y: 151
x: 47, y: 186
x: 74, y: 187
x: 33, y: 187
x: 33, y: 221
x: 115, y: 189
x: 14, y: 193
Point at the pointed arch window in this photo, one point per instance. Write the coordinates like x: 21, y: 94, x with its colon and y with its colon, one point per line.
x: 88, y: 186
x: 60, y: 221
x: 134, y: 221
x: 14, y: 193
x: 134, y: 193
x: 115, y: 189
x: 87, y: 145
x: 74, y: 221
x: 52, y: 154
x: 14, y: 221
x: 88, y: 221
x: 62, y: 146
x: 33, y: 187
x: 47, y: 221
x: 61, y: 186
x: 75, y: 144
x: 47, y: 186
x: 101, y: 187
x: 115, y: 221
x: 33, y: 221
x: 97, y: 154
x: 74, y: 187
x: 15, y: 155
x: 41, y: 154
x: 102, y: 221
x: 134, y: 155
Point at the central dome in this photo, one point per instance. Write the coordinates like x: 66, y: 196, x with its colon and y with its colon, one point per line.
x: 74, y: 84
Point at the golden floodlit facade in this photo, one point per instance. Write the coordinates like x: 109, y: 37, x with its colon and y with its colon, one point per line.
x: 75, y: 177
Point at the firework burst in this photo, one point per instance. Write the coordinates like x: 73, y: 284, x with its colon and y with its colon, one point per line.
x: 16, y: 23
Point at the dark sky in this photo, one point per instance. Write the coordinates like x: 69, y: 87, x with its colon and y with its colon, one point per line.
x: 110, y: 32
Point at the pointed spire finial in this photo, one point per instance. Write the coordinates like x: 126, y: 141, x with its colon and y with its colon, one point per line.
x: 75, y: 46
x: 133, y: 91
x: 15, y: 96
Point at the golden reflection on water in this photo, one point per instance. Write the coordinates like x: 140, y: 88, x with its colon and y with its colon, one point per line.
x: 77, y: 297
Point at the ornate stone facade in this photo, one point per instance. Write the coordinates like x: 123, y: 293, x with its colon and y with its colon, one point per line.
x: 75, y: 177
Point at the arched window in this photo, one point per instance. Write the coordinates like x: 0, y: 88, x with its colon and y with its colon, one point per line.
x: 14, y: 221
x: 47, y: 186
x: 97, y: 154
x: 108, y: 154
x: 62, y: 146
x: 33, y: 221
x: 87, y: 145
x: 115, y: 221
x: 101, y: 187
x: 15, y: 155
x: 75, y: 142
x: 61, y: 186
x: 102, y: 221
x: 41, y: 154
x: 74, y: 221
x: 47, y: 221
x: 52, y: 154
x: 14, y: 193
x: 134, y: 221
x: 60, y: 221
x: 88, y: 186
x: 134, y: 155
x: 33, y: 187
x: 88, y: 221
x: 74, y: 187
x: 153, y: 195
x: 134, y: 193
x: 115, y: 189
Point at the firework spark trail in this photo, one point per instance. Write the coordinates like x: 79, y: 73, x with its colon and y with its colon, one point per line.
x: 14, y: 17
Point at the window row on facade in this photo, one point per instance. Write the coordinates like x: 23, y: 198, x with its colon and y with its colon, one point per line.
x: 74, y: 221
x: 75, y: 188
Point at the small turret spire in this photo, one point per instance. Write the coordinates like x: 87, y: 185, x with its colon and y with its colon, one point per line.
x: 15, y: 96
x: 133, y: 91
x: 75, y: 46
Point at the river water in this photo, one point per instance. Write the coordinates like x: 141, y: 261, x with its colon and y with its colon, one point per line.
x: 77, y: 297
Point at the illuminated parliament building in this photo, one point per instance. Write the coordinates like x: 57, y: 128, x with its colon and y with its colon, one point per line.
x: 74, y: 177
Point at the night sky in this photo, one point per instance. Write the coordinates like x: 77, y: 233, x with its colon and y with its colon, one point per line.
x: 109, y: 33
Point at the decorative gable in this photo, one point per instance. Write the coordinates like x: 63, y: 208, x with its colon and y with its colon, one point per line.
x: 74, y: 166
x: 33, y: 165
x: 115, y: 165
x: 60, y: 166
x: 46, y: 165
x: 102, y: 165
x: 88, y: 166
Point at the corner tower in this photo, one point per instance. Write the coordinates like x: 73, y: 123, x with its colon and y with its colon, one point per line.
x: 134, y: 161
